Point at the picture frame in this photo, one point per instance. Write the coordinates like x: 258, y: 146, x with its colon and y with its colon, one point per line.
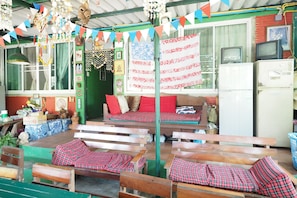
x: 282, y: 32
x: 118, y: 55
x: 78, y: 56
x: 119, y: 67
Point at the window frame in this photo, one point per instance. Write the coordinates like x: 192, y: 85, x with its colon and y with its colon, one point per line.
x: 48, y: 92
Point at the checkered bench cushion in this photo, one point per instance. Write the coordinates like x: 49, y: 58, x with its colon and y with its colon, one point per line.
x: 94, y: 160
x: 227, y: 177
x: 235, y: 178
x: 189, y: 172
x: 272, y: 181
x: 67, y: 154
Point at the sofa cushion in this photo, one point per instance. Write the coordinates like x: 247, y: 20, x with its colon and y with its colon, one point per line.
x: 133, y: 102
x: 188, y: 172
x: 230, y: 177
x: 113, y: 104
x: 167, y: 104
x: 68, y: 153
x: 272, y: 181
x: 147, y: 104
x: 123, y: 104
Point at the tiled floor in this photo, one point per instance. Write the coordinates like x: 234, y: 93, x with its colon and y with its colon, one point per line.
x: 93, y: 185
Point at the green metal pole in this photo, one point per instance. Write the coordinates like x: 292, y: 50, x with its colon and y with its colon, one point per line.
x: 157, y: 96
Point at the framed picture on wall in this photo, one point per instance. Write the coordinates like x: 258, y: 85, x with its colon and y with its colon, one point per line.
x: 282, y: 33
x: 119, y: 67
x: 119, y: 55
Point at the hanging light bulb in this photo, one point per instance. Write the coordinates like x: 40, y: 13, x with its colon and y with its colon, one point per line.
x: 153, y: 8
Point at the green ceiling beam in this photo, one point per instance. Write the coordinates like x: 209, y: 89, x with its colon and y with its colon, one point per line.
x: 140, y: 9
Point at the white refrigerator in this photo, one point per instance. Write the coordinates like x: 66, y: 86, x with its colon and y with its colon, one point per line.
x: 236, y: 99
x: 274, y: 99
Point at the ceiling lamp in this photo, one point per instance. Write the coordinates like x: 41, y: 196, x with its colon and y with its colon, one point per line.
x: 153, y: 8
x: 6, y: 15
x: 18, y: 58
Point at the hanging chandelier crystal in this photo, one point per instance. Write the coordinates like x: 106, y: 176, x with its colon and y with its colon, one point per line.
x: 6, y: 15
x: 61, y: 12
x: 154, y: 8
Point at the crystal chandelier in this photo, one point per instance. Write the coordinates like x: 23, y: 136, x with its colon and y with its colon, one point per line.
x: 61, y: 12
x: 154, y: 8
x: 6, y: 15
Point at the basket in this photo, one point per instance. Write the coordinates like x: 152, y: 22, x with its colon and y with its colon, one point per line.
x: 293, y: 142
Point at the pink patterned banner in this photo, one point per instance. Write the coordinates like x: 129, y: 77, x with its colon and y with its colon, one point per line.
x: 179, y: 65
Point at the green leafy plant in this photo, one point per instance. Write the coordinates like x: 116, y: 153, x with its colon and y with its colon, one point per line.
x: 8, y: 140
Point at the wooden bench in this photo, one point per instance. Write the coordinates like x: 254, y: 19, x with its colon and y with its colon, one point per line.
x: 57, y: 175
x: 225, y: 150
x: 124, y: 140
x: 140, y: 183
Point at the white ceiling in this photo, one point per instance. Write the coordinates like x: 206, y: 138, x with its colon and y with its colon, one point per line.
x: 111, y: 13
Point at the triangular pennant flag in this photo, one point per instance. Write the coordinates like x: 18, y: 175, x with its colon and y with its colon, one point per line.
x: 132, y: 36
x: 112, y: 36
x: 13, y: 34
x: 72, y: 26
x: 82, y: 31
x: 22, y: 26
x: 94, y: 34
x: 206, y: 9
x: 191, y: 18
x: 144, y: 33
x: 182, y: 21
x: 175, y: 23
x: 27, y: 23
x: 36, y: 6
x: 212, y: 2
x: 7, y: 38
x: 152, y: 33
x: 106, y: 36
x: 19, y: 31
x: 2, y: 42
x: 100, y: 35
x: 126, y: 36
x: 226, y: 2
x: 119, y: 36
x: 166, y: 28
x: 159, y: 30
x: 77, y: 29
x: 41, y: 9
x: 89, y: 33
x: 198, y: 15
x: 33, y: 11
x: 138, y: 35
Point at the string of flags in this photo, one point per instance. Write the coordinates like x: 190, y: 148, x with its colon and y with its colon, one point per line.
x: 45, y: 17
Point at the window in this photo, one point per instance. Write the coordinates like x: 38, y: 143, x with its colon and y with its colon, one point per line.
x: 213, y: 36
x: 50, y: 69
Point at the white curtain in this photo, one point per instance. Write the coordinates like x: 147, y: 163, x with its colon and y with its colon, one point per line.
x: 64, y: 52
x: 31, y: 55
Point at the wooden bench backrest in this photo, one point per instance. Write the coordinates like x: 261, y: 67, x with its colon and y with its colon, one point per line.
x: 113, y: 138
x: 144, y: 183
x: 13, y: 156
x: 56, y: 174
x: 189, y: 190
x: 229, y: 149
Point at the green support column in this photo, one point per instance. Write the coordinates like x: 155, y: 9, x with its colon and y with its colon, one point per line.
x: 80, y: 86
x: 157, y: 97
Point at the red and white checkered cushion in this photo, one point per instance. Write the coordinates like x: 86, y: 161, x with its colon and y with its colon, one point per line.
x: 228, y: 177
x: 272, y: 181
x: 67, y: 154
x: 122, y: 162
x: 94, y: 160
x: 188, y: 172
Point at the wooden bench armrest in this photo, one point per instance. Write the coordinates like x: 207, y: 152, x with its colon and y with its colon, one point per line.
x: 168, y: 164
x: 136, y: 159
x: 105, y: 111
